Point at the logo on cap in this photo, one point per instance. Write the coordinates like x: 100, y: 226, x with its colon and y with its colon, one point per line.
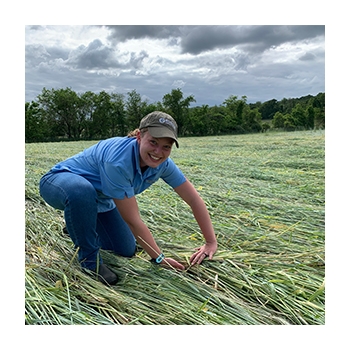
x: 168, y: 122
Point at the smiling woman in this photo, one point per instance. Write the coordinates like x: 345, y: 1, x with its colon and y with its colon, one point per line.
x: 156, y: 138
x: 96, y: 189
x: 153, y: 151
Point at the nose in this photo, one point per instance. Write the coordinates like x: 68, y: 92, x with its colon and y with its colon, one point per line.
x: 157, y: 149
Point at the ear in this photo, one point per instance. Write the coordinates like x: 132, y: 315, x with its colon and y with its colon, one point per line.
x: 138, y: 136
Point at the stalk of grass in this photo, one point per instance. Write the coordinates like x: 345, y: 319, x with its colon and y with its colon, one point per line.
x: 265, y: 196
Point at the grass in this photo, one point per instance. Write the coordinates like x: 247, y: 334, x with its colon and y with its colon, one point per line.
x: 265, y: 195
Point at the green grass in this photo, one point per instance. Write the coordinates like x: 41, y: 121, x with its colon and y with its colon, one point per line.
x: 265, y: 194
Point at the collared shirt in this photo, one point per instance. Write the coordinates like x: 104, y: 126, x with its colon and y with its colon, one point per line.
x: 112, y: 166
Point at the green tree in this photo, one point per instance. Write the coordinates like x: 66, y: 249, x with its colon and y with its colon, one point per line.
x: 87, y: 108
x: 36, y: 128
x: 198, y: 124
x: 319, y: 108
x: 60, y: 109
x: 320, y: 119
x: 216, y: 120
x: 278, y: 120
x: 118, y: 115
x: 265, y: 126
x: 152, y: 107
x: 268, y: 109
x: 230, y: 117
x: 310, y: 117
x: 177, y: 106
x: 298, y: 114
x: 241, y: 104
x: 134, y: 109
x: 235, y: 110
x: 289, y: 122
x: 252, y: 120
x: 101, y: 116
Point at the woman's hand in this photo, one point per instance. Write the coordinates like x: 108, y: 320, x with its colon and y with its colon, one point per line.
x: 172, y: 263
x: 207, y: 250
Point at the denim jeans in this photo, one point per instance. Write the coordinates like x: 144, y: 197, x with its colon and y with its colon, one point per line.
x: 88, y: 229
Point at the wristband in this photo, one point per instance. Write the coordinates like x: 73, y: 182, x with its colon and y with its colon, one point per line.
x: 159, y: 259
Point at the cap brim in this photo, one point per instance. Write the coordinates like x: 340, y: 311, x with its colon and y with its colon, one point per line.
x: 159, y: 132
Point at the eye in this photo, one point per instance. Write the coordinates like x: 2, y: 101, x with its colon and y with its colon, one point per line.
x: 167, y: 147
x: 153, y: 142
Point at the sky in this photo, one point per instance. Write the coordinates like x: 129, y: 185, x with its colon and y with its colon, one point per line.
x: 210, y: 62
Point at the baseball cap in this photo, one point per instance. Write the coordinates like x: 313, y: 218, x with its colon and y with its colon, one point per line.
x: 159, y: 125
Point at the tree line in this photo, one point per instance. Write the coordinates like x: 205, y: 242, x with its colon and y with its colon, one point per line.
x: 63, y: 114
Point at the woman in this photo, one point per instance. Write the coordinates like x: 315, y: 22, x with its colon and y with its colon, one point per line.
x: 96, y: 189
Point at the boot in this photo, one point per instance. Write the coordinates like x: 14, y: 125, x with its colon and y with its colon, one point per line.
x: 104, y: 275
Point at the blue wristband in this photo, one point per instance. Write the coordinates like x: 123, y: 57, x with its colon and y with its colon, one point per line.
x: 159, y: 259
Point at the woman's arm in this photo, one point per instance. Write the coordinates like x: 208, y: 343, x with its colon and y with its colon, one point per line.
x: 189, y: 194
x: 129, y: 211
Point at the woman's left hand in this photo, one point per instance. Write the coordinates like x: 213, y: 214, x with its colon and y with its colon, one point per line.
x: 207, y: 250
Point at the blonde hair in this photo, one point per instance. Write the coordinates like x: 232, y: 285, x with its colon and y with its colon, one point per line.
x: 134, y: 132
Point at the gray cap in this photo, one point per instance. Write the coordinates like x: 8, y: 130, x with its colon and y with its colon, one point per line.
x: 159, y: 125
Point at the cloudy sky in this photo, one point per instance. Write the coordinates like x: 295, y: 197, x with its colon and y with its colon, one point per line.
x: 211, y: 62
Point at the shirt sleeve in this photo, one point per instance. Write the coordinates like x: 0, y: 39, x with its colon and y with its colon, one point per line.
x: 115, y: 181
x: 172, y: 175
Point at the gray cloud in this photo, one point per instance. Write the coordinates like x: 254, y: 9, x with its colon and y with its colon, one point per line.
x: 248, y: 38
x: 127, y: 32
x: 196, y: 39
x: 210, y: 62
x: 307, y: 57
x: 95, y: 55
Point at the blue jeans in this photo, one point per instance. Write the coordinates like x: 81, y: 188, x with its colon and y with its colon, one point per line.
x: 88, y: 229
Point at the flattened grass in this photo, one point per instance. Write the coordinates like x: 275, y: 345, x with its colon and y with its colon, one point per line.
x: 265, y: 195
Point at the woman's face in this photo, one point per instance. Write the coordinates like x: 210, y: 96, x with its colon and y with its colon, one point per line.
x: 153, y: 151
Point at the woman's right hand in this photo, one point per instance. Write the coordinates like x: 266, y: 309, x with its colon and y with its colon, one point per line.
x: 172, y: 263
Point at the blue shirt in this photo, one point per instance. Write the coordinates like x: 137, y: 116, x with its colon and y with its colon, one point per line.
x: 113, y: 168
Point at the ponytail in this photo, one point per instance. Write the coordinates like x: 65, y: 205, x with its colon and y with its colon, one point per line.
x: 134, y: 133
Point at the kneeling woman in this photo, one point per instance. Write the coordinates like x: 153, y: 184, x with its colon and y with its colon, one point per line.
x: 96, y: 189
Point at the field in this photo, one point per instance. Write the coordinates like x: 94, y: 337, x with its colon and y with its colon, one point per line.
x: 265, y: 194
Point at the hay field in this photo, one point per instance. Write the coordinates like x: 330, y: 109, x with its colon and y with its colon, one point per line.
x: 265, y: 194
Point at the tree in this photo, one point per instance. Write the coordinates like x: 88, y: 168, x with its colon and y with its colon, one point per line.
x: 289, y: 122
x: 320, y: 119
x: 177, y: 107
x: 298, y: 115
x: 216, y: 120
x: 87, y: 108
x: 118, y: 115
x: 319, y: 109
x: 230, y: 116
x: 152, y: 107
x: 134, y: 109
x: 235, y: 112
x: 101, y: 116
x: 268, y: 109
x: 198, y: 124
x: 60, y: 110
x: 35, y: 126
x: 62, y: 113
x: 265, y: 127
x: 241, y: 104
x: 278, y: 120
x: 252, y: 120
x: 310, y: 117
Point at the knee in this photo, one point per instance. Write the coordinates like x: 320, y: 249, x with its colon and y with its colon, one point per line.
x: 82, y: 193
x: 130, y: 250
x: 127, y: 249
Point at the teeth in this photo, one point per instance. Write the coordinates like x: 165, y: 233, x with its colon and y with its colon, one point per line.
x: 155, y: 158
